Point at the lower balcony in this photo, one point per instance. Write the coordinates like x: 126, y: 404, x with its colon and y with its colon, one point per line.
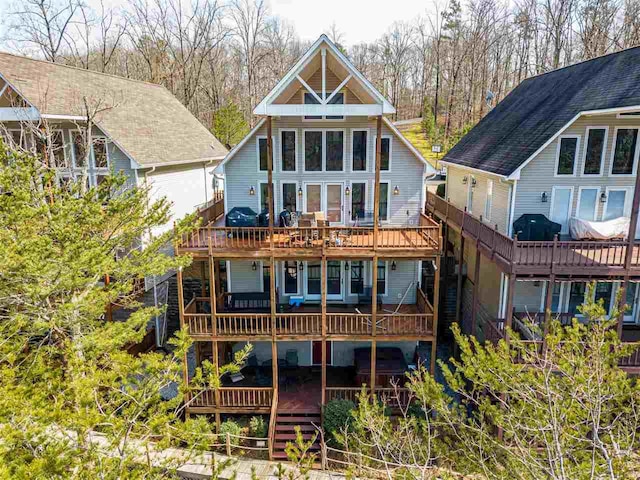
x: 495, y: 331
x: 306, y: 321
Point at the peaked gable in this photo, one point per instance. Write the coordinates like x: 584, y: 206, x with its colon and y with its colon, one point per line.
x: 325, y: 57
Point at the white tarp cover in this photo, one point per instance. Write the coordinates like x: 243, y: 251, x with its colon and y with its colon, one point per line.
x: 586, y: 230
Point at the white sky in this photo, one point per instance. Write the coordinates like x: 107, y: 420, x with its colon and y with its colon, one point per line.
x: 357, y: 20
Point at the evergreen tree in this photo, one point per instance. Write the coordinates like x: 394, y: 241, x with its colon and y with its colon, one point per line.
x: 229, y: 125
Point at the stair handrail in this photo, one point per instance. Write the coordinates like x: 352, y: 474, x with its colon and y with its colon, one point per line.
x: 272, y: 421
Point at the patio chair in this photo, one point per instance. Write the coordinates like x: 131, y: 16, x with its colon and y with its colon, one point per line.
x: 291, y: 357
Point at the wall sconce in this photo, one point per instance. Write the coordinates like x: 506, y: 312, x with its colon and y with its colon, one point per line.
x: 394, y: 266
x: 473, y: 182
x: 300, y: 266
x: 347, y: 191
x: 464, y: 180
x: 346, y: 266
x: 543, y: 197
x: 252, y: 190
x: 300, y: 192
x: 254, y: 266
x: 603, y: 197
x: 396, y: 190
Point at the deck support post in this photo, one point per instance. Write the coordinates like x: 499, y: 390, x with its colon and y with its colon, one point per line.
x: 436, y: 309
x: 203, y: 278
x: 185, y: 366
x: 508, y: 314
x: 374, y: 319
x: 213, y: 291
x: 216, y: 363
x: 626, y: 284
x: 323, y: 306
x: 476, y: 281
x: 376, y: 184
x: 272, y: 302
x: 547, y: 309
x: 270, y: 180
x: 459, y: 284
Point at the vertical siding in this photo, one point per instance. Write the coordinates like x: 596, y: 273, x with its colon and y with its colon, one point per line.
x: 406, y: 170
x: 538, y: 175
x: 315, y: 82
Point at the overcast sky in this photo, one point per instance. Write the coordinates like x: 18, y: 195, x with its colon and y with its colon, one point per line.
x: 358, y: 20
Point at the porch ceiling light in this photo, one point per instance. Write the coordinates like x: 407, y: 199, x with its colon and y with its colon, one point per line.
x: 252, y: 190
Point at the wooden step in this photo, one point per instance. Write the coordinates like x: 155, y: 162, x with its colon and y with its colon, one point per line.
x: 280, y: 446
x: 284, y: 419
x: 292, y: 436
x: 291, y: 428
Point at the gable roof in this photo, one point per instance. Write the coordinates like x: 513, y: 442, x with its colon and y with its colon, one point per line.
x: 541, y: 107
x: 290, y: 76
x: 144, y: 119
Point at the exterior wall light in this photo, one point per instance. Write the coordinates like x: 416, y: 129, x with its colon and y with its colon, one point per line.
x: 396, y: 190
x: 347, y: 191
x: 300, y: 192
x: 394, y: 266
x: 543, y: 197
x: 603, y: 197
x: 346, y: 266
x: 473, y: 182
x: 254, y: 266
x: 465, y: 180
x: 301, y: 266
x: 252, y: 190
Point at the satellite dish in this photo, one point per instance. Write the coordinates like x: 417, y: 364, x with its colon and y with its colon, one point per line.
x: 489, y: 97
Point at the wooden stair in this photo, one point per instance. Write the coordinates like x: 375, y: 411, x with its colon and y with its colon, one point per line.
x: 285, y: 431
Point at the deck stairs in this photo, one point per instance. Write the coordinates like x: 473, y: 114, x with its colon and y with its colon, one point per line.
x: 286, y: 421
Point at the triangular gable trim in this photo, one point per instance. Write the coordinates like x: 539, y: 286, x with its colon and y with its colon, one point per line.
x: 292, y: 74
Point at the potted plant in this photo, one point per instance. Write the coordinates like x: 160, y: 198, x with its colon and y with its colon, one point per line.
x: 258, y: 429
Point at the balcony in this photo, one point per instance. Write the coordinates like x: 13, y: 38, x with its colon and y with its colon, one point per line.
x: 306, y: 321
x: 241, y: 399
x: 338, y: 242
x: 574, y: 257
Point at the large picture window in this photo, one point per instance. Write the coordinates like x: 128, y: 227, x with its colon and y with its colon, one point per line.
x: 335, y: 150
x: 313, y: 150
x: 359, y: 150
x: 382, y: 277
x: 596, y: 138
x: 263, y: 164
x: 567, y: 156
x: 289, y: 197
x: 358, y: 196
x: 384, y: 201
x: 385, y: 154
x: 288, y: 150
x: 625, y: 150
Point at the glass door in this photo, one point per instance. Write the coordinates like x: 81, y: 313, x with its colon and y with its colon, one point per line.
x: 334, y: 202
x: 313, y: 197
x: 631, y: 301
x: 334, y: 280
x: 561, y: 206
x: 313, y: 279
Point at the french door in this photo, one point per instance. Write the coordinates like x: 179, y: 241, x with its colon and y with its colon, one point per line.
x: 327, y: 198
x: 561, y: 200
x: 313, y: 279
x: 316, y: 352
x: 334, y: 202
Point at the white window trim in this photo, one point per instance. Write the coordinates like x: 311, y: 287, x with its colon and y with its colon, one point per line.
x: 375, y: 143
x: 388, y: 201
x: 576, y: 156
x: 561, y: 302
x: 259, y: 195
x: 284, y: 278
x: 273, y: 145
x: 281, y: 194
x: 469, y: 194
x: 553, y: 194
x: 324, y: 117
x: 344, y: 149
x: 488, y: 201
x: 628, y: 115
x: 367, y: 156
x: 280, y: 158
x: 367, y: 205
x: 628, y: 199
x: 614, y: 141
x: 386, y: 277
x: 595, y: 206
x: 325, y: 205
x: 602, y: 155
x: 92, y: 170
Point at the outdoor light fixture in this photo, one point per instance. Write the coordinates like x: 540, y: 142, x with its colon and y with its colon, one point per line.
x: 254, y: 266
x: 394, y: 266
x: 473, y: 181
x: 603, y: 197
x: 347, y: 191
x: 543, y: 197
x: 252, y: 191
x: 300, y: 191
x: 301, y: 266
x: 464, y: 180
x: 346, y: 266
x: 396, y: 190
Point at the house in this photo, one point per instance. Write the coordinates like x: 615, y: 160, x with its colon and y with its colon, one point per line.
x: 138, y: 128
x: 565, y: 145
x: 112, y: 123
x: 342, y: 295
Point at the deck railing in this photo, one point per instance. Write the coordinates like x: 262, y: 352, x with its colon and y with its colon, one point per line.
x: 393, y: 397
x: 427, y: 235
x: 233, y: 397
x: 213, y: 209
x: 349, y: 324
x: 243, y: 324
x: 298, y: 324
x: 405, y: 324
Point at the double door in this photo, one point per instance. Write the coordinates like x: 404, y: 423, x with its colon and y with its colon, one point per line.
x: 313, y: 280
x: 325, y: 197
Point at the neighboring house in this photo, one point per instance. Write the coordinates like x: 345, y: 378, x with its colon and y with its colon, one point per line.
x: 305, y: 294
x: 140, y: 129
x: 562, y: 144
x: 114, y: 124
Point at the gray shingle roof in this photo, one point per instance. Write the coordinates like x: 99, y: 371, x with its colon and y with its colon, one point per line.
x: 145, y: 119
x: 540, y: 106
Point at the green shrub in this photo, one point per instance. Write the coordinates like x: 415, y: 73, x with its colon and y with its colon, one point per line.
x: 232, y: 428
x: 337, y: 415
x: 258, y: 427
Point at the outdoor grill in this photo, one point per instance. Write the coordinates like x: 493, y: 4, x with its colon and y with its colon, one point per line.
x: 535, y: 227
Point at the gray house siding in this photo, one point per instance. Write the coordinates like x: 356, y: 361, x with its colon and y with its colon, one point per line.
x: 406, y: 171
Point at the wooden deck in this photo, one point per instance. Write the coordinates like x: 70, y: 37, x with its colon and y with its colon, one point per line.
x: 604, y: 258
x: 419, y: 241
x: 410, y: 321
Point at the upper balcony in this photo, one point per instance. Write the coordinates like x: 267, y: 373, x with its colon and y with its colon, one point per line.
x: 573, y: 257
x: 420, y: 241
